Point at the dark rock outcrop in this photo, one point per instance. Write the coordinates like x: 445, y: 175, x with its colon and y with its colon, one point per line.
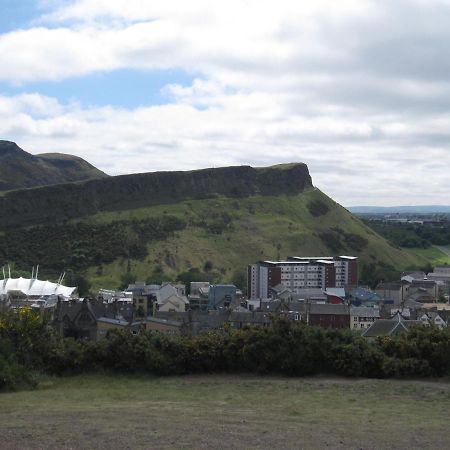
x: 75, y: 200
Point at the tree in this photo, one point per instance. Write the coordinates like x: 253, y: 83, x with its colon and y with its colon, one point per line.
x: 239, y: 279
x: 158, y: 276
x: 126, y: 279
x: 208, y: 266
x: 80, y: 281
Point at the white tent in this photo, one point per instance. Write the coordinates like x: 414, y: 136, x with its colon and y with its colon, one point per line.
x: 34, y: 288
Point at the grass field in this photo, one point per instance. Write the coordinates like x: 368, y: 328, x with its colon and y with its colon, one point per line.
x: 433, y: 255
x: 226, y: 412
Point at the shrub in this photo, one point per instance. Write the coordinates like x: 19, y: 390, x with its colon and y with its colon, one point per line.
x: 317, y: 208
x: 331, y: 239
x: 13, y: 375
x: 285, y: 347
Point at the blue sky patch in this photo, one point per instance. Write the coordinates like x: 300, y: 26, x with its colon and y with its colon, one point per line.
x: 16, y: 14
x: 122, y: 88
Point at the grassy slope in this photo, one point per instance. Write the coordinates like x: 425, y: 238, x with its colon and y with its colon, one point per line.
x: 262, y: 228
x: 433, y: 255
x: 208, y: 412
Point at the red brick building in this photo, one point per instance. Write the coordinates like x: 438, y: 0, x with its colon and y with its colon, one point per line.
x: 328, y: 316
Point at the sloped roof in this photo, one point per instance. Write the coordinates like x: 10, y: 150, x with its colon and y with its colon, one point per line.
x: 158, y: 320
x: 120, y: 322
x: 327, y: 308
x: 365, y: 295
x: 173, y: 299
x: 364, y: 311
x: 272, y: 305
x: 309, y: 293
x: 337, y: 292
x: 390, y: 327
x: 382, y: 327
x: 388, y: 286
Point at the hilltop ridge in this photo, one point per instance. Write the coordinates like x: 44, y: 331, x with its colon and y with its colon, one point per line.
x: 20, y: 169
x: 75, y: 200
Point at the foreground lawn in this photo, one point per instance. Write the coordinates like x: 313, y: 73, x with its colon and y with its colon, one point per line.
x: 212, y: 412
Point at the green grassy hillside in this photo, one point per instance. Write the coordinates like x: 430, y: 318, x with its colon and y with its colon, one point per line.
x: 156, y: 226
x: 231, y: 233
x: 434, y: 255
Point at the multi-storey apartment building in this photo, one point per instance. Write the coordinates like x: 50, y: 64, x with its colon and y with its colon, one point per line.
x: 261, y: 277
x: 297, y: 273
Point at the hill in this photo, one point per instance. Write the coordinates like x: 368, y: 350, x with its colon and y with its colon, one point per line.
x: 213, y: 222
x: 19, y: 169
x: 74, y: 200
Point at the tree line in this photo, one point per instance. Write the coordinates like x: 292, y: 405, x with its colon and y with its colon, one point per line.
x: 81, y: 245
x: 410, y: 235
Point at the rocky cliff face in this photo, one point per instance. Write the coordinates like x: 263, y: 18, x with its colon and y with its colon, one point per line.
x: 19, y: 169
x: 68, y: 201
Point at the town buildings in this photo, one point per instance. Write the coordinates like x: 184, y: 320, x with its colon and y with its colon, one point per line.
x: 362, y: 317
x: 317, y: 291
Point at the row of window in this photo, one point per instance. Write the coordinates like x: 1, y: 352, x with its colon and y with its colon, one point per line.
x: 364, y: 319
x: 300, y: 269
x: 312, y: 276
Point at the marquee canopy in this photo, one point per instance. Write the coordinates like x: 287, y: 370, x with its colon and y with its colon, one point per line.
x: 34, y: 288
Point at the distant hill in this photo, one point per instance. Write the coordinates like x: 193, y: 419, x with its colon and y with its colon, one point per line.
x: 154, y: 226
x: 19, y: 169
x: 420, y: 209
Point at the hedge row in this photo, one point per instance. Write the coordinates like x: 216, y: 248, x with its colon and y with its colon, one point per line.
x: 286, y: 348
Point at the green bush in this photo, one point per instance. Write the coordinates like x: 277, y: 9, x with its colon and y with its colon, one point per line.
x: 318, y: 208
x: 13, y: 376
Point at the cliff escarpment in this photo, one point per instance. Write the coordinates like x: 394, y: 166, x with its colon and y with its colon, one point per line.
x: 61, y: 202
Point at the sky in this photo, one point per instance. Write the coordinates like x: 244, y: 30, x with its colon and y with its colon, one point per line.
x: 359, y: 90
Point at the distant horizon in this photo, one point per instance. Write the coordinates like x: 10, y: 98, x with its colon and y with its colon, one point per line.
x: 446, y: 208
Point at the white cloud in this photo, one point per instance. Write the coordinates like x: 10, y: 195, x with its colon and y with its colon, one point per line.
x: 357, y: 89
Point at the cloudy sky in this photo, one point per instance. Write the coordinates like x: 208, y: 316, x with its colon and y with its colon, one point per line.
x: 359, y: 90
